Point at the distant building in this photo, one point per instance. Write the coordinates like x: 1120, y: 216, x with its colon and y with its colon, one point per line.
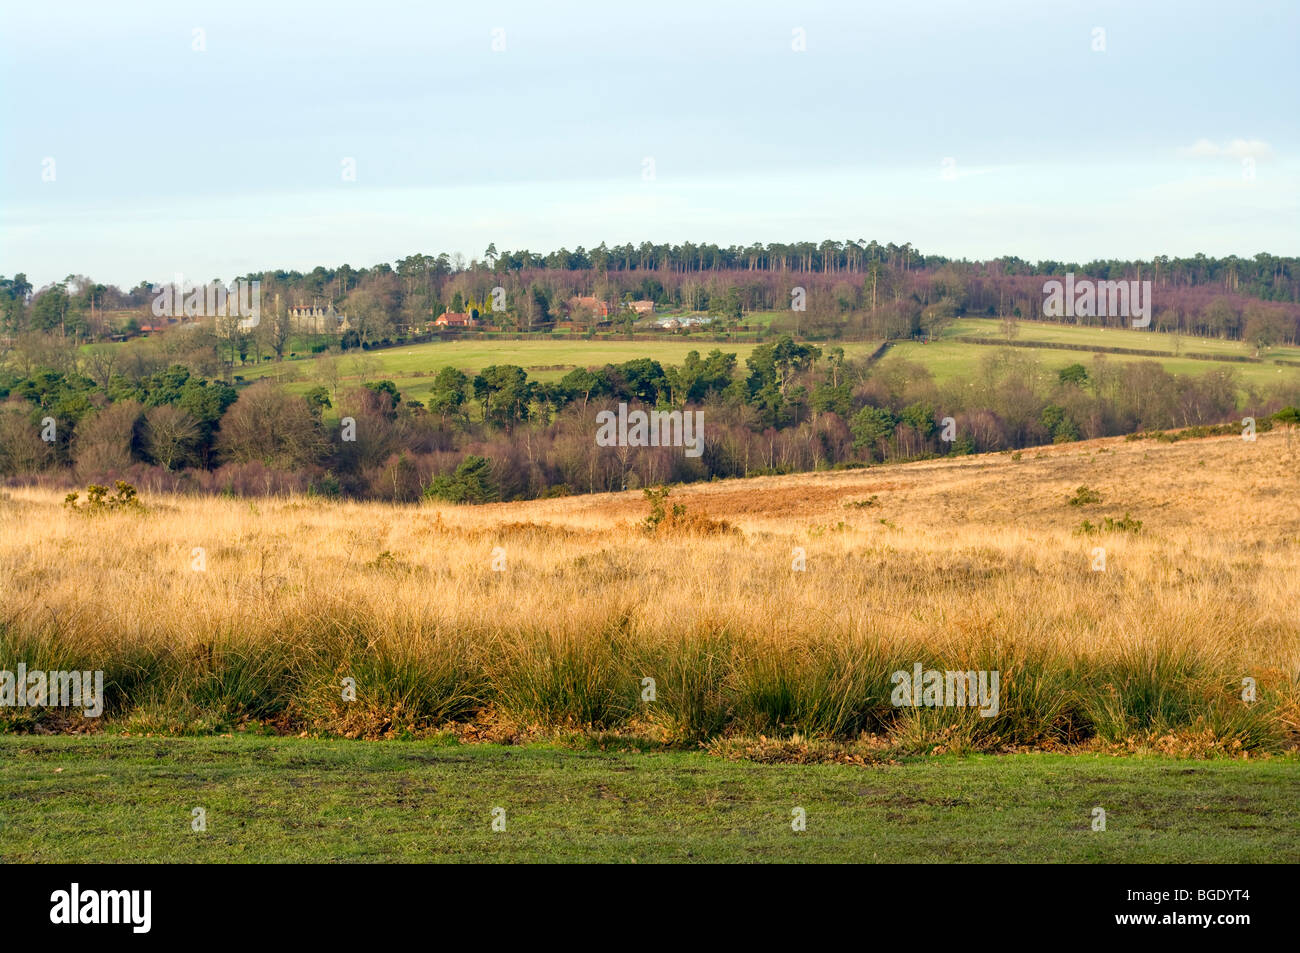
x: 454, y: 319
x: 318, y: 320
x: 642, y: 307
x: 686, y: 321
x: 598, y: 308
x: 159, y: 324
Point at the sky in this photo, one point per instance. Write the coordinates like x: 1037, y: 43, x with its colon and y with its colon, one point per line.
x: 146, y: 139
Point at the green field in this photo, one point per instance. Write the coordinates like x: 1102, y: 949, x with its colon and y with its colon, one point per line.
x: 112, y: 799
x: 1116, y: 337
x: 948, y: 358
x: 412, y: 367
x: 762, y: 319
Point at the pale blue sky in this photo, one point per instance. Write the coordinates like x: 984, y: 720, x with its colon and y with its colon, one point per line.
x: 214, y: 163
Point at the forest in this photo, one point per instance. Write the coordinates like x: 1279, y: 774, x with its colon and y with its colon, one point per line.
x: 82, y: 400
x: 852, y: 289
x: 500, y: 435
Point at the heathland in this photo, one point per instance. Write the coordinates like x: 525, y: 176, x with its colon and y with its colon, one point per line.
x: 1133, y: 595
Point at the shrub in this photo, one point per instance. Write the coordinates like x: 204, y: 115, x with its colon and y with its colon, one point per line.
x: 1083, y: 496
x: 471, y: 483
x: 677, y: 520
x: 327, y: 486
x: 99, y: 500
x: 1109, y: 525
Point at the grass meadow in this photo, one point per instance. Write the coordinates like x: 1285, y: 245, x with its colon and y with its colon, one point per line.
x: 1146, y: 340
x: 948, y: 358
x: 526, y: 621
x: 413, y: 367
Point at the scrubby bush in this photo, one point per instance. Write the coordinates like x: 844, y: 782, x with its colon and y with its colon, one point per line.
x: 471, y: 483
x: 99, y: 499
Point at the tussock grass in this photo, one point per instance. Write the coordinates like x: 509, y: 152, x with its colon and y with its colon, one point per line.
x: 968, y: 564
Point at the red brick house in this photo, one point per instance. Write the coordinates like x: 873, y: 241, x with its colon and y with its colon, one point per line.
x: 160, y: 325
x: 598, y: 308
x: 454, y: 319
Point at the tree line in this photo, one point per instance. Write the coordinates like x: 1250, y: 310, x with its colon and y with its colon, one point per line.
x: 498, y: 434
x: 826, y: 290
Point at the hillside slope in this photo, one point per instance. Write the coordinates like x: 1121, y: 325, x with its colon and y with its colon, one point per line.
x: 771, y: 605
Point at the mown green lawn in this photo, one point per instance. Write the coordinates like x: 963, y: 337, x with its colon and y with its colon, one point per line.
x: 113, y: 799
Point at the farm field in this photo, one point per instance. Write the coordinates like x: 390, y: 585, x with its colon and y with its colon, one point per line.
x: 412, y: 367
x: 120, y: 799
x: 1054, y: 332
x: 949, y: 359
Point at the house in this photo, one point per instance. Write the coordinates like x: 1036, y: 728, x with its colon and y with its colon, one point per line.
x: 160, y: 324
x: 454, y: 319
x: 590, y: 303
x: 317, y: 319
x: 642, y: 307
x: 686, y: 321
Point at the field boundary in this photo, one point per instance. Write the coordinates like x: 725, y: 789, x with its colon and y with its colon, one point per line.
x: 1106, y: 349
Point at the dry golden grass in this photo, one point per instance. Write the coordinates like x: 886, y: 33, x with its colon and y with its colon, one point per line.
x: 972, y: 563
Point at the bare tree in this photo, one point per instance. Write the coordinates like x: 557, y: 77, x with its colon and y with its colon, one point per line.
x: 100, y: 362
x: 21, y: 448
x: 170, y: 435
x: 329, y: 371
x: 105, y: 442
x: 272, y: 426
x: 364, y: 366
x: 279, y: 329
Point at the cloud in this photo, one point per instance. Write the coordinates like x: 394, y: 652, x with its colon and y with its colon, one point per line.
x: 1233, y: 149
